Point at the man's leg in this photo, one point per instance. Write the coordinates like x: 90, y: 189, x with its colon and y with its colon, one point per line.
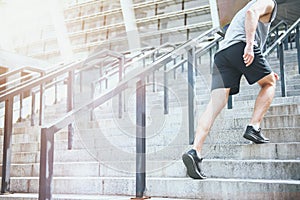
x: 264, y: 98
x: 262, y: 104
x: 192, y: 158
x: 218, y: 100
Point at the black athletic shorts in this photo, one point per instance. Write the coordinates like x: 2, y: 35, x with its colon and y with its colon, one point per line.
x: 229, y: 67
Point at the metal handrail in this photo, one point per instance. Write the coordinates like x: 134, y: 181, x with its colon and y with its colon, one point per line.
x: 8, y: 118
x: 131, y: 61
x: 21, y: 69
x: 48, y: 131
x: 282, y: 38
x: 17, y: 82
x: 8, y: 97
x: 279, y: 45
x: 275, y: 31
x: 281, y: 23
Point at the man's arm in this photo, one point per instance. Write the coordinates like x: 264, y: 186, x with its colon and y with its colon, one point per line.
x: 261, y: 10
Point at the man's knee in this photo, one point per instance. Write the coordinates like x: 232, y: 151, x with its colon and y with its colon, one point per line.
x: 219, y: 97
x: 269, y: 80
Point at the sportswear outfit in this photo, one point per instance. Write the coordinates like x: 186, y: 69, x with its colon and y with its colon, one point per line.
x: 228, y: 69
x: 229, y: 64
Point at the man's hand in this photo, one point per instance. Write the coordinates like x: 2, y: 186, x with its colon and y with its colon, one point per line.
x: 248, y: 54
x: 276, y: 76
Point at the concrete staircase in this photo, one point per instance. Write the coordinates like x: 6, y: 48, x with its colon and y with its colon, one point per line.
x: 102, y: 161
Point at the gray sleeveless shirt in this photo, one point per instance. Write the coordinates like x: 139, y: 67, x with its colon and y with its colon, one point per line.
x: 236, y: 30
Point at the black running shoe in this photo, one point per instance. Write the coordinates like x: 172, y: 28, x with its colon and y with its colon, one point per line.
x: 255, y: 136
x: 192, y: 161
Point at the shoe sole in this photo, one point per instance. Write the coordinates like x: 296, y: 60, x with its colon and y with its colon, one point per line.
x: 191, y: 167
x: 255, y: 139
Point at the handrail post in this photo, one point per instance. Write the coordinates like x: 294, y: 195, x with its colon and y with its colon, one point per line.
x: 153, y: 81
x: 182, y: 66
x: 46, y: 164
x: 286, y: 42
x: 80, y: 82
x: 166, y: 91
x: 32, y: 108
x: 70, y: 105
x: 140, y: 138
x: 298, y: 47
x: 21, y: 107
x: 55, y: 94
x: 121, y: 66
x: 191, y: 95
x: 153, y: 75
x: 282, y: 72
x: 42, y: 104
x: 230, y: 102
x: 174, y: 72
x: 93, y: 87
x: 6, y: 161
x: 276, y: 38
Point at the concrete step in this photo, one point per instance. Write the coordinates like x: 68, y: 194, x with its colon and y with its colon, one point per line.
x: 21, y: 139
x: 282, y: 151
x: 252, y: 151
x: 33, y: 196
x: 270, y: 121
x: 214, y: 168
x: 234, y: 136
x: 59, y: 155
x: 293, y: 93
x: 276, y: 101
x: 35, y: 146
x: 218, y: 134
x: 60, y: 169
x: 33, y: 136
x: 170, y: 187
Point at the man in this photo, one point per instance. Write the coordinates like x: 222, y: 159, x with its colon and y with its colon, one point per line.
x: 239, y: 54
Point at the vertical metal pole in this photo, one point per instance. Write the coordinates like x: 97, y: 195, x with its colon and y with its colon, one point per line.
x: 140, y: 138
x: 42, y: 104
x: 276, y: 37
x: 121, y: 66
x: 211, y: 60
x: 100, y: 86
x: 5, y: 186
x: 286, y: 42
x: 291, y: 42
x: 182, y: 66
x: 230, y: 102
x: 46, y: 165
x: 282, y: 73
x: 191, y: 95
x: 166, y: 91
x: 55, y: 93
x: 32, y: 108
x: 70, y: 105
x: 298, y: 47
x: 80, y: 82
x: 174, y: 72
x: 153, y: 75
x: 153, y: 80
x: 21, y: 107
x: 92, y: 97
